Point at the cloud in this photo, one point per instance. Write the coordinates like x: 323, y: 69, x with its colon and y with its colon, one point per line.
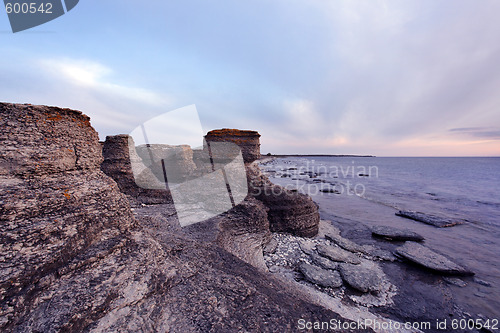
x: 486, y: 133
x: 92, y: 76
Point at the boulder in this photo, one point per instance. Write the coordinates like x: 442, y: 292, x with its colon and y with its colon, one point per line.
x: 338, y: 254
x: 396, y: 234
x: 429, y: 259
x: 364, y: 277
x: 248, y: 141
x: 290, y: 212
x: 429, y: 219
x: 244, y: 231
x: 320, y: 276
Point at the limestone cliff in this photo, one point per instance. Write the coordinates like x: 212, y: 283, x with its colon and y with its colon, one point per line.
x: 74, y: 258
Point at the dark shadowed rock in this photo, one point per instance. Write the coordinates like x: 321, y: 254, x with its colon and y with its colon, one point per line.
x: 427, y: 258
x: 73, y: 258
x: 290, y: 212
x: 396, y: 234
x: 338, y: 254
x: 365, y: 277
x: 428, y: 219
x: 244, y: 230
x: 118, y: 153
x: 320, y: 276
x: 248, y: 141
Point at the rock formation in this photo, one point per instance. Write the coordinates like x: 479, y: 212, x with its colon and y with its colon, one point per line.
x: 74, y: 258
x: 289, y: 211
x: 117, y: 164
x: 248, y: 141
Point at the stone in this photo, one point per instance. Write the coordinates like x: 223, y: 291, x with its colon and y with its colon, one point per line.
x: 482, y: 282
x: 244, y: 230
x: 248, y: 141
x: 338, y: 254
x: 378, y: 253
x: 270, y: 247
x: 320, y: 276
x: 307, y: 246
x: 429, y: 219
x: 119, y: 154
x: 455, y: 281
x: 365, y: 277
x: 344, y: 243
x: 429, y: 259
x: 323, y: 261
x: 290, y: 212
x: 396, y: 234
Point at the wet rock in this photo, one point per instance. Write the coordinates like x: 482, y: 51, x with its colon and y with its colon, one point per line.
x: 320, y: 276
x: 428, y: 219
x: 455, y: 281
x: 338, y: 254
x: 427, y: 258
x: 364, y: 277
x: 329, y: 189
x: 482, y: 282
x: 323, y: 261
x: 396, y: 234
x: 248, y: 141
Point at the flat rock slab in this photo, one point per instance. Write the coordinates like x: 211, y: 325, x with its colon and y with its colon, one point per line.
x: 364, y: 277
x: 307, y: 246
x: 338, y: 254
x: 428, y: 219
x: 378, y: 253
x: 324, y: 262
x: 425, y: 257
x: 344, y: 243
x: 396, y: 234
x: 320, y: 276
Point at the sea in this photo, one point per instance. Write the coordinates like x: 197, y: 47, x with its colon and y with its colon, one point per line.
x: 370, y: 190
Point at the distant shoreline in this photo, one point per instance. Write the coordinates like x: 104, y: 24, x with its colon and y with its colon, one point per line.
x: 316, y: 155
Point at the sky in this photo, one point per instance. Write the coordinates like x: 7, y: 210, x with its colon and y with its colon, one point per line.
x: 386, y: 78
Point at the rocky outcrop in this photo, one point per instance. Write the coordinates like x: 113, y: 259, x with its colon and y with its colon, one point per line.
x: 244, y: 231
x: 289, y: 211
x: 73, y: 258
x: 248, y: 141
x: 55, y: 203
x: 117, y: 164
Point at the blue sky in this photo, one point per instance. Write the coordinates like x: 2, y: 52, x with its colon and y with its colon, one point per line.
x: 390, y: 78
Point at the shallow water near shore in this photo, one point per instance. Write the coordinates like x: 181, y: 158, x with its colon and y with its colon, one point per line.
x: 369, y: 191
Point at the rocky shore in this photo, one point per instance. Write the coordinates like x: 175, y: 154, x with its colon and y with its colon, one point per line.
x: 84, y: 248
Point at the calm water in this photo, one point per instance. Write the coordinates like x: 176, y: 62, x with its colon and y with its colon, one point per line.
x: 466, y: 189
